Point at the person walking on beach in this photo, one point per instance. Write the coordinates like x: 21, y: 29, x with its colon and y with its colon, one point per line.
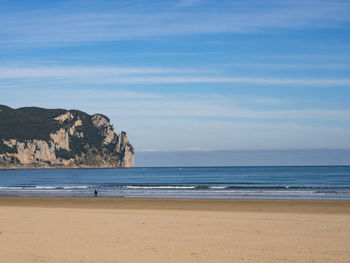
x: 95, y: 192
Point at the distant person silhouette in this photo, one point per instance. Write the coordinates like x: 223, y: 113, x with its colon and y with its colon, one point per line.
x: 95, y: 193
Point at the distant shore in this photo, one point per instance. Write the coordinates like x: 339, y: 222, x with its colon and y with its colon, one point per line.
x: 62, y: 167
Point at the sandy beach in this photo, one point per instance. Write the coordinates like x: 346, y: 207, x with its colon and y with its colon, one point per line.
x: 49, y: 229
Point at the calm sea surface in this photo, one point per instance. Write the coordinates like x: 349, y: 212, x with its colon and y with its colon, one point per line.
x: 304, y: 182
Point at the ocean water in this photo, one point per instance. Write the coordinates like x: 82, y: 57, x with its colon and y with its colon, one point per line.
x: 284, y: 182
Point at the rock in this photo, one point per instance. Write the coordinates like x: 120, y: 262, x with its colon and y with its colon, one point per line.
x: 60, y: 138
x: 107, y: 130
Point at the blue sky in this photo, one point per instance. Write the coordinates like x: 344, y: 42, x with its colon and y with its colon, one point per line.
x: 187, y: 75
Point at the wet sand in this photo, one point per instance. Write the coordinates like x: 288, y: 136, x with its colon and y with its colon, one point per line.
x: 50, y: 229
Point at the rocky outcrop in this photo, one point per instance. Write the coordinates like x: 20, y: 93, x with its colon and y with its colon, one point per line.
x: 126, y: 149
x: 107, y: 130
x: 75, y: 139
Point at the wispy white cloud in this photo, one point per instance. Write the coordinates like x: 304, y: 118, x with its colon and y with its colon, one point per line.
x: 148, y: 75
x: 82, y: 71
x: 215, y: 110
x: 230, y: 80
x: 68, y: 27
x: 156, y: 105
x: 289, y: 65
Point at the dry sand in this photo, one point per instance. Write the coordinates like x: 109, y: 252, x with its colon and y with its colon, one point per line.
x: 172, y: 230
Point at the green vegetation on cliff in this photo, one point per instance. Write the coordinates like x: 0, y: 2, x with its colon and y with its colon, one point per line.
x: 27, y: 123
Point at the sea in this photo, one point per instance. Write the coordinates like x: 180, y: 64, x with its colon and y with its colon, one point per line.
x: 275, y: 182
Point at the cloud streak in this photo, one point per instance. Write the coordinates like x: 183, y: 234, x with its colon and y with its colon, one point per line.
x: 82, y: 71
x: 164, y: 106
x: 64, y: 26
x: 324, y: 82
x: 149, y: 75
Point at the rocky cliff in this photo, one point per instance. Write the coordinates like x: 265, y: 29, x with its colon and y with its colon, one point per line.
x: 33, y: 137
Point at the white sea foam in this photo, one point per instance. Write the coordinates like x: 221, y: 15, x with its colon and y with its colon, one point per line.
x: 43, y: 188
x: 77, y: 187
x: 11, y: 187
x: 159, y: 187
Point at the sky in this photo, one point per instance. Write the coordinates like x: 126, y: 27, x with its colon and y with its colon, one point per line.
x: 188, y: 76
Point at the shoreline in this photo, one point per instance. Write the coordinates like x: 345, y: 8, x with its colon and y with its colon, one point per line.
x: 184, y: 204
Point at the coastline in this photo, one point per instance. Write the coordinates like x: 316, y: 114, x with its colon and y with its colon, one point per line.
x: 111, y: 229
x: 147, y: 167
x: 61, y: 168
x: 190, y: 204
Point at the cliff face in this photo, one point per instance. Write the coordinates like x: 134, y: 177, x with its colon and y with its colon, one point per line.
x: 41, y: 138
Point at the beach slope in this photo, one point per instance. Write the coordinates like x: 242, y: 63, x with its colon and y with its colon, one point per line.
x: 173, y: 230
